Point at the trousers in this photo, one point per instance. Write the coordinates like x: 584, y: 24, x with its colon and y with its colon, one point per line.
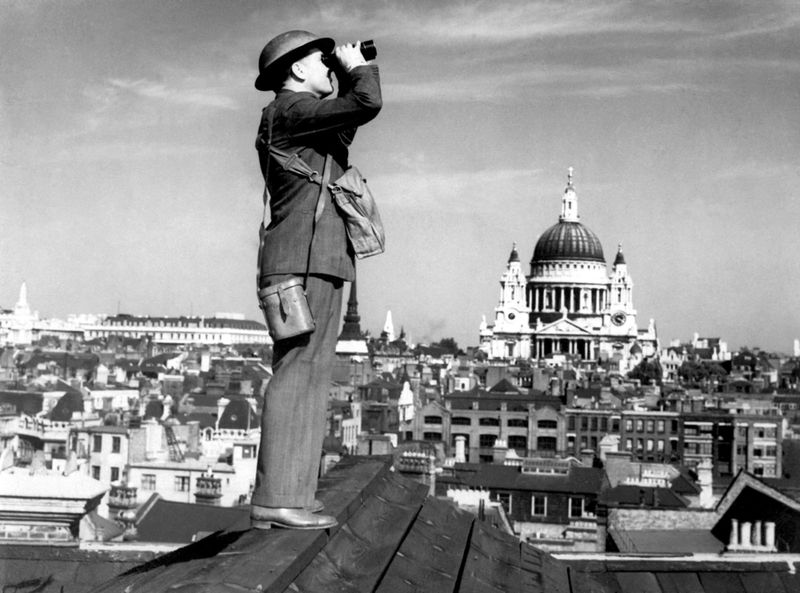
x: 296, y: 400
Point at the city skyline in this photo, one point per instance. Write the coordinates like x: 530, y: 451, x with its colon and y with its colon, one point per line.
x: 129, y: 174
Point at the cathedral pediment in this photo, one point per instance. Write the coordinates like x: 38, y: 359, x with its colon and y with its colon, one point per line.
x: 563, y: 327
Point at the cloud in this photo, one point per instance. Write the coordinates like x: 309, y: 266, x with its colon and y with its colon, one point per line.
x: 652, y: 77
x: 104, y: 152
x: 450, y: 191
x: 189, y: 92
x: 755, y: 170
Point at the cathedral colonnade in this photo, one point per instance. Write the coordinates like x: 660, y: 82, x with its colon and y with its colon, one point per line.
x: 575, y: 299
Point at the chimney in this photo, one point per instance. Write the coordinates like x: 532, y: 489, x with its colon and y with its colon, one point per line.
x: 705, y: 480
x: 154, y: 434
x: 500, y: 450
x: 461, y: 443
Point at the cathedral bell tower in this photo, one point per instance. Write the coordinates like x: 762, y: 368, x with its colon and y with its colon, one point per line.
x: 511, y: 335
x: 620, y: 306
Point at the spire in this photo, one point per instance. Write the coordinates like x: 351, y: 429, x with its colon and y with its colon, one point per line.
x: 351, y: 330
x: 23, y: 295
x: 514, y: 257
x: 569, y: 201
x: 620, y: 259
x: 388, y: 327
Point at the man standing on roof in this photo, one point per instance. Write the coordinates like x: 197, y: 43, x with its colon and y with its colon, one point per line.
x: 298, y: 65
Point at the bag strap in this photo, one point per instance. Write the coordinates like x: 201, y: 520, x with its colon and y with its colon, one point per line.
x: 326, y: 174
x: 295, y: 164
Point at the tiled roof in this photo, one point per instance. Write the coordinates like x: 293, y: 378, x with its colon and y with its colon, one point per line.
x: 667, y: 541
x: 168, y: 521
x: 390, y: 537
x: 238, y: 415
x: 67, y: 404
x: 648, y: 497
x: 580, y: 480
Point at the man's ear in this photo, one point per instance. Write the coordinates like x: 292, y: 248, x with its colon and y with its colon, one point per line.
x: 298, y: 72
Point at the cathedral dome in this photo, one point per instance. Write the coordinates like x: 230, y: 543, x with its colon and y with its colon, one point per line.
x: 568, y: 240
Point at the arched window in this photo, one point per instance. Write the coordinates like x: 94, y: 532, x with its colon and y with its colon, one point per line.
x: 518, y: 442
x: 433, y: 419
x: 486, y: 441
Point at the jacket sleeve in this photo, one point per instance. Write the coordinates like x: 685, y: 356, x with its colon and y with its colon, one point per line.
x: 360, y: 103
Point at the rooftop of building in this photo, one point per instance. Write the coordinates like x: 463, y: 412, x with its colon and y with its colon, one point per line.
x: 392, y: 537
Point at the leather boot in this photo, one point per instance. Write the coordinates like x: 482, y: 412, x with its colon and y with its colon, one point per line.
x: 288, y: 518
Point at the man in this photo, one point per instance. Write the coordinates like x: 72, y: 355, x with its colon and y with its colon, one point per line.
x: 300, y: 121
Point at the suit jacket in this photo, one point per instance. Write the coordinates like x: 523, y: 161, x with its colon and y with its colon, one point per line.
x: 312, y: 128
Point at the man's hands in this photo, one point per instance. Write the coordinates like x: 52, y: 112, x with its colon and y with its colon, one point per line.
x: 349, y: 56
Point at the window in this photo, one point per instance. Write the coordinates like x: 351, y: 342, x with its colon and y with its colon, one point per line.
x: 576, y: 506
x: 594, y: 422
x: 661, y: 426
x: 639, y: 425
x: 546, y: 443
x: 504, y: 498
x: 433, y: 419
x: 628, y: 425
x: 486, y: 441
x: 651, y: 425
x: 489, y: 422
x: 148, y: 481
x: 660, y: 445
x: 539, y: 506
x: 115, y: 444
x: 547, y: 424
x: 248, y: 451
x: 517, y: 442
x: 649, y: 445
x: 604, y: 424
x: 615, y: 425
x: 431, y: 436
x: 97, y: 443
x: 96, y: 472
x: 461, y: 421
x: 629, y: 444
x: 114, y: 474
x: 584, y: 423
x: 640, y: 444
x: 517, y: 423
x: 182, y: 483
x: 571, y: 423
x: 674, y: 426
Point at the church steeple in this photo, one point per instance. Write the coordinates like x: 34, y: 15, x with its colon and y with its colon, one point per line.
x: 569, y: 201
x: 351, y: 330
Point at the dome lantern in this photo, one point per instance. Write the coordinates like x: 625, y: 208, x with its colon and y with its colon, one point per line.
x: 569, y: 201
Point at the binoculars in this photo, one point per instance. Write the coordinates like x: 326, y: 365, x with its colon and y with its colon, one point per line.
x: 367, y: 48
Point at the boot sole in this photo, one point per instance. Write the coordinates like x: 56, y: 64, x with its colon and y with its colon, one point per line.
x: 262, y: 524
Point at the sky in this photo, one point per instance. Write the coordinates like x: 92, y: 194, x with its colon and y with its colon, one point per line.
x: 129, y: 181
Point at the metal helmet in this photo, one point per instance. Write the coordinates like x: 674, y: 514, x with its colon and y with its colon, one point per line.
x: 284, y: 49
